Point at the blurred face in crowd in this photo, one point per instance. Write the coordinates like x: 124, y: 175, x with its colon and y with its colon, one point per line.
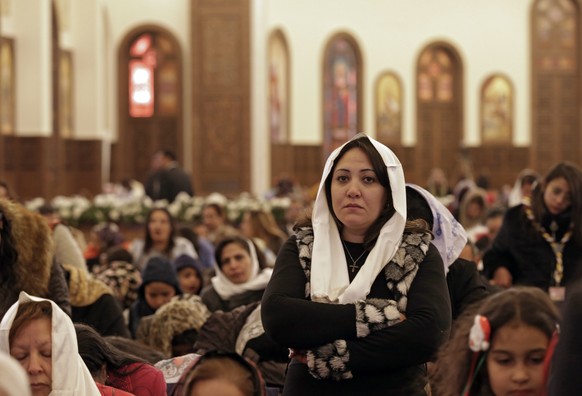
x: 211, y: 218
x: 235, y: 263
x: 356, y: 194
x: 557, y: 195
x: 475, y: 209
x: 494, y: 225
x: 158, y: 294
x: 158, y: 161
x: 159, y: 227
x: 32, y: 347
x: 189, y: 280
x: 246, y: 225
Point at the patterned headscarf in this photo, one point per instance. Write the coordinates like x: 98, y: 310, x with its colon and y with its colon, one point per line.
x: 449, y: 235
x: 173, y: 319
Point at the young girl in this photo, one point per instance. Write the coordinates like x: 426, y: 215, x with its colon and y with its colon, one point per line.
x: 159, y: 285
x: 505, y: 348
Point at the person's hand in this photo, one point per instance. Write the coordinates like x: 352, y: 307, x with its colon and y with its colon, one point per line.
x: 502, y: 277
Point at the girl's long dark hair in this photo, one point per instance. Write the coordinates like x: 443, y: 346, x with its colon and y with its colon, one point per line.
x: 148, y: 238
x: 96, y: 352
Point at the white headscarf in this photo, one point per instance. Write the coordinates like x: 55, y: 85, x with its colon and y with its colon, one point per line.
x: 329, y: 271
x: 13, y: 378
x: 449, y: 235
x: 70, y: 376
x: 258, y: 280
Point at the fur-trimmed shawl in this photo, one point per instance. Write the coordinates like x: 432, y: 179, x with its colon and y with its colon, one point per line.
x: 32, y: 239
x: 399, y: 272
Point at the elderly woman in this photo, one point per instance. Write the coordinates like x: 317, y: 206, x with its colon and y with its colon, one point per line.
x: 41, y: 337
x: 358, y: 293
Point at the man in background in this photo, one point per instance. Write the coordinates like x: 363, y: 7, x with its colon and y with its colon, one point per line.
x: 167, y: 179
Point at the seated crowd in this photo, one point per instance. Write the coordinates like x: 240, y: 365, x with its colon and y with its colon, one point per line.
x: 178, y: 310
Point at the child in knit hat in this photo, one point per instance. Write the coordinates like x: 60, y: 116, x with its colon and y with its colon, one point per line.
x: 189, y: 272
x: 159, y: 285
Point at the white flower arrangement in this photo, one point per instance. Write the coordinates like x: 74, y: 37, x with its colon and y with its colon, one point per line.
x: 133, y: 209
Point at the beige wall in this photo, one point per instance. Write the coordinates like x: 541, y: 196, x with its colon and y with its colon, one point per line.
x: 490, y: 35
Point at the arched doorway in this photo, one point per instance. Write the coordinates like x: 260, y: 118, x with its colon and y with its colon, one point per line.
x: 150, y: 100
x: 439, y: 99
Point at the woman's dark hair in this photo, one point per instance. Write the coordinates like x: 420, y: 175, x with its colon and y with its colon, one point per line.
x: 520, y: 305
x: 8, y: 251
x: 96, y: 352
x: 191, y: 235
x: 379, y: 167
x: 118, y: 253
x: 148, y: 238
x: 573, y: 175
x: 417, y: 207
x: 135, y: 348
x: 244, y: 243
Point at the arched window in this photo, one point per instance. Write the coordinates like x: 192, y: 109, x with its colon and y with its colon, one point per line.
x: 555, y: 83
x: 152, y: 58
x: 496, y: 110
x: 278, y: 95
x: 439, y: 109
x: 341, y: 91
x: 150, y: 100
x: 389, y: 108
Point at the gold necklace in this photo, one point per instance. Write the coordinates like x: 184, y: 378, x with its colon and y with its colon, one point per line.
x: 354, y: 266
x: 557, y: 246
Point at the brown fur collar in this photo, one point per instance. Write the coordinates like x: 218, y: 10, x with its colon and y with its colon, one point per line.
x: 33, y: 241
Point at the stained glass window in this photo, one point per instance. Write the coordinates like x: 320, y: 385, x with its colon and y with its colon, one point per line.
x: 388, y: 108
x: 496, y: 110
x: 278, y: 83
x: 435, y: 79
x: 341, y: 91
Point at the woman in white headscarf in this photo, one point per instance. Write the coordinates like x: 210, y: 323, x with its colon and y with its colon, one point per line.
x: 358, y: 293
x: 38, y: 334
x: 241, y: 276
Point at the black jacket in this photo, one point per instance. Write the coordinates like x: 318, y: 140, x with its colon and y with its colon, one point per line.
x: 527, y: 255
x: 388, y: 361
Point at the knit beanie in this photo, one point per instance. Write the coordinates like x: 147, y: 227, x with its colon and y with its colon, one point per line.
x: 159, y: 269
x: 186, y: 261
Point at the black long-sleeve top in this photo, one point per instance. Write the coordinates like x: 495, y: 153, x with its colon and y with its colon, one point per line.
x: 521, y: 249
x: 388, y: 359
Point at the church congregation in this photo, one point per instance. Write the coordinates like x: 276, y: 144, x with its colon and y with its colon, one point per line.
x: 274, y: 198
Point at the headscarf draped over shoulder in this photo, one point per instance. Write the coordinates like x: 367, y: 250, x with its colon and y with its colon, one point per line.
x: 329, y: 270
x: 70, y: 376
